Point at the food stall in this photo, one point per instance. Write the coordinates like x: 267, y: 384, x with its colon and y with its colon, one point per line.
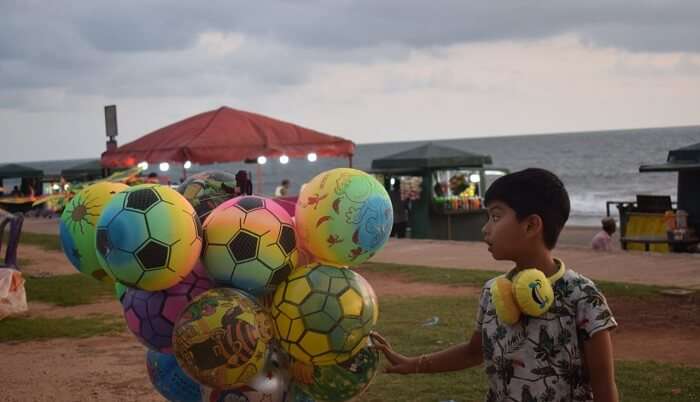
x: 653, y: 222
x: 27, y: 180
x: 444, y: 188
x: 682, y: 224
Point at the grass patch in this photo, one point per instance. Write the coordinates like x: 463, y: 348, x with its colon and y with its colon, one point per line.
x: 446, y: 276
x: 621, y: 289
x: 650, y: 381
x: 477, y: 278
x: 24, y: 262
x: 38, y: 328
x: 48, y: 242
x: 400, y: 321
x: 67, y: 290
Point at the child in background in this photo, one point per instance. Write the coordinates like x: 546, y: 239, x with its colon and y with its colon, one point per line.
x: 602, y: 241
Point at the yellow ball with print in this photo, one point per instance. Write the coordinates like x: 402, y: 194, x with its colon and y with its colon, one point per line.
x: 343, y: 216
x: 221, y: 338
x: 78, y: 225
x: 323, y: 314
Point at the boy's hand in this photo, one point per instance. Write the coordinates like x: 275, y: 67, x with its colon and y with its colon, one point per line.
x: 400, y: 364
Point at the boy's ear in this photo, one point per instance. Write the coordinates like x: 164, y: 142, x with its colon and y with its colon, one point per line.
x: 533, y: 225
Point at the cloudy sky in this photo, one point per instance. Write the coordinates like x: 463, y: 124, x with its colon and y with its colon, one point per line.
x: 367, y: 70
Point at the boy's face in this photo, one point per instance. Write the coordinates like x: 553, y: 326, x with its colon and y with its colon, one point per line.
x: 503, y: 233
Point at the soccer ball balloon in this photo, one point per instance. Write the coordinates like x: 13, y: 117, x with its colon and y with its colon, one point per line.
x: 148, y: 237
x: 323, y: 314
x: 344, y: 381
x: 221, y: 338
x: 249, y: 244
x: 152, y: 315
x: 169, y: 379
x: 343, y: 216
x: 77, y: 227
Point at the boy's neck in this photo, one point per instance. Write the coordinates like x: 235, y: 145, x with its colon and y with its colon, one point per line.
x: 542, y: 260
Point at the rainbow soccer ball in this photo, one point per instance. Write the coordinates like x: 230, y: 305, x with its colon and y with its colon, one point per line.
x: 148, y: 237
x: 151, y: 316
x: 221, y: 338
x: 249, y: 244
x: 77, y: 227
x: 323, y: 314
x: 344, y: 216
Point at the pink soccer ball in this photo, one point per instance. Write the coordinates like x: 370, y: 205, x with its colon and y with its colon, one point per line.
x: 151, y: 315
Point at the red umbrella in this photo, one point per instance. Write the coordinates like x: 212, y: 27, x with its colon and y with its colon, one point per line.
x: 226, y: 135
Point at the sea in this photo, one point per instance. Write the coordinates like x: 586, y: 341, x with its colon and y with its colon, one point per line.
x: 595, y: 166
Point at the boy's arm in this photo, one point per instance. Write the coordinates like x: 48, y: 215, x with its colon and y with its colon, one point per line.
x: 458, y: 357
x: 601, y: 369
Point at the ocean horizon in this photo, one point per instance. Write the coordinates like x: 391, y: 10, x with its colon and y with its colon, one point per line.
x: 595, y: 166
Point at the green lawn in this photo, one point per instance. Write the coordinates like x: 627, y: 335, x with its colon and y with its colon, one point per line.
x: 67, y: 290
x: 400, y: 321
x: 38, y: 328
x: 48, y: 242
x: 63, y: 291
x: 477, y: 278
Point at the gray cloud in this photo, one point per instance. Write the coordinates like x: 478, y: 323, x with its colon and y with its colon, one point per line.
x: 650, y: 25
x: 131, y: 25
x: 134, y: 48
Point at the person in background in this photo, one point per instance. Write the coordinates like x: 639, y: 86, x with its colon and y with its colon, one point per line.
x: 152, y: 178
x: 15, y: 192
x: 244, y: 186
x: 602, y: 241
x: 400, y: 208
x: 283, y: 189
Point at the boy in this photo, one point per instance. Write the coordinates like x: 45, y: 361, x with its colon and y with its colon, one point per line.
x: 563, y: 355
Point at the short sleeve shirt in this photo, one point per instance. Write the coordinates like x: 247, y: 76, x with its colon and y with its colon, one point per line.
x: 602, y: 241
x: 541, y: 359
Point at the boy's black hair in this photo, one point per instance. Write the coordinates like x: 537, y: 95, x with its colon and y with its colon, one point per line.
x: 534, y: 192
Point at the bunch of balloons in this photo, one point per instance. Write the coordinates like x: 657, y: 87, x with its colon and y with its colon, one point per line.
x: 251, y: 303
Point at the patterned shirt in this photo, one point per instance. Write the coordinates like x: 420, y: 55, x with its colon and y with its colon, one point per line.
x: 541, y: 359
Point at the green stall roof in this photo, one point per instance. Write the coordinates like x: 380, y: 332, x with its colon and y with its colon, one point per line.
x: 16, y: 170
x: 90, y: 168
x: 429, y: 156
x: 686, y: 158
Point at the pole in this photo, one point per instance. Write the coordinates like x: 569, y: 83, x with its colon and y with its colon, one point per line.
x: 350, y: 161
x: 258, y: 179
